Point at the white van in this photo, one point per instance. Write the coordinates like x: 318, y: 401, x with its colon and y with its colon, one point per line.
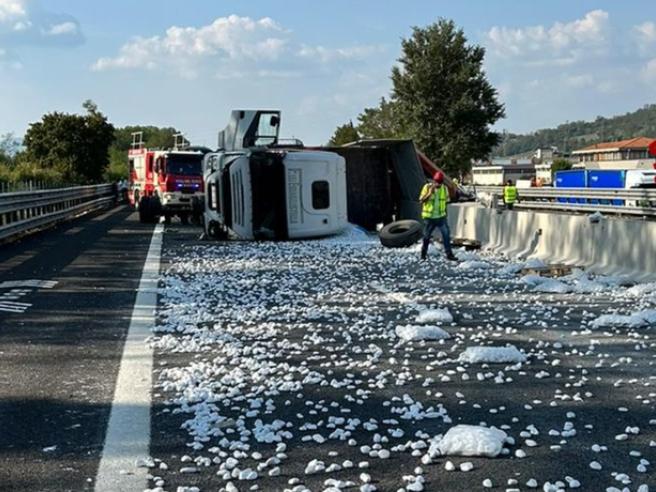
x: 266, y: 192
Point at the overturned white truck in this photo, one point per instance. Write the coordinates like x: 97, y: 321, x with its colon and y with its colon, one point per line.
x: 256, y: 188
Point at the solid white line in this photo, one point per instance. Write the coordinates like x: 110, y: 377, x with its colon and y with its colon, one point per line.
x: 128, y: 431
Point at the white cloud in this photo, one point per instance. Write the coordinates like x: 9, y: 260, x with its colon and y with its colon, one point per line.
x: 649, y: 71
x: 644, y: 36
x: 62, y: 29
x: 12, y: 9
x: 24, y: 22
x: 231, y: 47
x: 646, y: 32
x: 326, y: 55
x: 560, y: 44
x: 227, y: 38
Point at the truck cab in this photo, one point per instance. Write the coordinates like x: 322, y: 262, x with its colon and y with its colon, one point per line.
x: 257, y: 189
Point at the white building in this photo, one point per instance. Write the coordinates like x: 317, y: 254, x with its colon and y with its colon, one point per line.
x: 501, y: 170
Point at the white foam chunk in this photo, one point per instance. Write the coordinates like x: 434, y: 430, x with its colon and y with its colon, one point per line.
x: 474, y: 265
x: 552, y: 286
x: 421, y: 332
x: 607, y: 320
x: 633, y: 320
x: 472, y: 440
x: 435, y: 316
x: 508, y: 354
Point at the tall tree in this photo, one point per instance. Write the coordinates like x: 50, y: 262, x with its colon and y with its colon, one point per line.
x: 76, y: 146
x: 8, y: 148
x: 442, y: 97
x: 344, y: 134
x: 380, y: 122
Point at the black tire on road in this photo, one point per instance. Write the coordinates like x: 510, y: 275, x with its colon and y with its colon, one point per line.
x: 145, y: 215
x: 401, y: 234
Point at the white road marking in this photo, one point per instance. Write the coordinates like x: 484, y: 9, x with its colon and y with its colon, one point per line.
x: 128, y: 431
x: 38, y: 284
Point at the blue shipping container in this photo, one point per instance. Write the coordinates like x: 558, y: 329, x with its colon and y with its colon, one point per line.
x: 607, y: 178
x: 577, y: 178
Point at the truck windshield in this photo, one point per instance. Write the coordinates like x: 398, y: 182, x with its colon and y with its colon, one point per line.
x: 184, y: 164
x: 267, y: 129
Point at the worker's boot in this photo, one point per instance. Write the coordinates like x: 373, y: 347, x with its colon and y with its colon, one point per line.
x: 451, y: 257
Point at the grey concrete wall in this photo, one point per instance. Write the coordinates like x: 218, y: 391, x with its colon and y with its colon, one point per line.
x: 612, y: 246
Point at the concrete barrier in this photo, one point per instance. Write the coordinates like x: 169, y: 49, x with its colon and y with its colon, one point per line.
x: 614, y: 246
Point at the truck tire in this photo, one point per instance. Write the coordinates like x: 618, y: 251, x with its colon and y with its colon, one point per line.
x: 144, y: 210
x: 400, y: 234
x: 216, y: 231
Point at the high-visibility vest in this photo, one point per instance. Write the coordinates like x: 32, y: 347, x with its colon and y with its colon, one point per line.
x: 435, y: 206
x: 510, y: 194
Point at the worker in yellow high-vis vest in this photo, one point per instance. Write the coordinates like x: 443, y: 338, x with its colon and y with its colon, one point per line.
x: 433, y: 197
x: 509, y: 194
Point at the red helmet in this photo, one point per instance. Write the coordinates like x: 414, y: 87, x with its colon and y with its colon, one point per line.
x: 438, y: 176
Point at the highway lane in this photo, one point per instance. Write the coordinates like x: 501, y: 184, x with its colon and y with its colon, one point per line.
x: 61, y: 343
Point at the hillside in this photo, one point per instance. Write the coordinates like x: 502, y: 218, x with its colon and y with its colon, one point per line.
x: 577, y: 134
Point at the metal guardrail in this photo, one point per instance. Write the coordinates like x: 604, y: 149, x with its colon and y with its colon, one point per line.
x: 637, y: 201
x: 22, y: 212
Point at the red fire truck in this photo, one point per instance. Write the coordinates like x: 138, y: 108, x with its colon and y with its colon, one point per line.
x: 166, y: 182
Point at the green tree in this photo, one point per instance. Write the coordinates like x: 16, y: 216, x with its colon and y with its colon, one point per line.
x: 344, y: 134
x: 75, y: 146
x: 8, y: 148
x: 380, y: 122
x: 560, y: 165
x: 442, y: 97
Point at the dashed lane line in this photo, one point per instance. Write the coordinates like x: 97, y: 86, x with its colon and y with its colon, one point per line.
x: 127, y: 441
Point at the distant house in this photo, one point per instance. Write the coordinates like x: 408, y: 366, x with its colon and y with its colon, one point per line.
x: 498, y: 171
x: 624, y: 154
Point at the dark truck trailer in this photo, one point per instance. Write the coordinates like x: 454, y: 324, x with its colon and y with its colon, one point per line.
x: 383, y: 181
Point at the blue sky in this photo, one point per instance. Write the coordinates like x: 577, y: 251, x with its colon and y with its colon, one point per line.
x: 187, y: 64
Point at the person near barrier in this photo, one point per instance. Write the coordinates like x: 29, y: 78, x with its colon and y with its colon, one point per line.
x: 509, y: 194
x: 434, y: 197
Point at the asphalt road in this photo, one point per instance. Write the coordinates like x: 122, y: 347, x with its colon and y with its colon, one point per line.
x: 247, y: 326
x: 303, y: 333
x: 61, y: 346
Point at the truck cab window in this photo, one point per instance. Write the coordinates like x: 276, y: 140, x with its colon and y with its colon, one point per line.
x: 320, y: 195
x: 267, y: 130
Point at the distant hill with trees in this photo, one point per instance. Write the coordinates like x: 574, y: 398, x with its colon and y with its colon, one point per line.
x: 577, y: 134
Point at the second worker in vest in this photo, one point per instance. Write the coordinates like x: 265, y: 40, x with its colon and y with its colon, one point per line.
x: 433, y: 197
x: 509, y: 194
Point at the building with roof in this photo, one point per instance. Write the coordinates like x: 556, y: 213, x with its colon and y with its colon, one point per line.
x: 632, y: 153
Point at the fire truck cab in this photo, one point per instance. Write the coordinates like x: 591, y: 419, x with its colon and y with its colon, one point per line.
x: 165, y: 182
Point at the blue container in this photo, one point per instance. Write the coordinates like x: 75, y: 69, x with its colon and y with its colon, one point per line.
x: 576, y: 178
x: 607, y: 178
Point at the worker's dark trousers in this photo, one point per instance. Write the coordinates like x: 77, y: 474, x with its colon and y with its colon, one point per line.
x: 429, y: 227
x: 510, y: 205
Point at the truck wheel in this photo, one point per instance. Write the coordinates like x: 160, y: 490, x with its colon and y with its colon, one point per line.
x: 167, y: 218
x: 144, y: 209
x: 216, y: 231
x: 401, y: 234
x: 184, y: 218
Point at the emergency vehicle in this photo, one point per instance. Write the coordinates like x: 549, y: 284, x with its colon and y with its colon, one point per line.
x: 165, y: 182
x: 257, y: 188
